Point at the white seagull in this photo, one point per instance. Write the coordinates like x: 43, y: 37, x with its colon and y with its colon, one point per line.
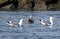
x: 47, y: 23
x: 15, y: 24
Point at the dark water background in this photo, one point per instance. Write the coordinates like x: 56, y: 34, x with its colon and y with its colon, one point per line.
x: 29, y: 31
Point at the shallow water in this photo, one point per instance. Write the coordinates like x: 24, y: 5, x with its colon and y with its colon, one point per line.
x: 29, y: 31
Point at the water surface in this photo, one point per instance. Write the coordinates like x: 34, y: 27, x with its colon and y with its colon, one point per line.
x: 29, y: 31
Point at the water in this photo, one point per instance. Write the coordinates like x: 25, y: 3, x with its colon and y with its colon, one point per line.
x: 29, y: 31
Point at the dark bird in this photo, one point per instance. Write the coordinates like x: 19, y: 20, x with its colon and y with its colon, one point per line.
x: 30, y: 19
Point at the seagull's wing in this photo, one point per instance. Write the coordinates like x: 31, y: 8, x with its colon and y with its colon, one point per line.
x: 47, y: 22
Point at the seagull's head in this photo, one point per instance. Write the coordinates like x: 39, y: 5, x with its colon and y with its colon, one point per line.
x: 22, y: 19
x: 52, y: 18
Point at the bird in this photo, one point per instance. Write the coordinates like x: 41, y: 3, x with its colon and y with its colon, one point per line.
x: 47, y: 23
x: 15, y: 24
x: 30, y: 20
x: 20, y: 22
x: 10, y: 23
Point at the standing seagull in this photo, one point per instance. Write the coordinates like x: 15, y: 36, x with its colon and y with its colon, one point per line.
x: 47, y: 23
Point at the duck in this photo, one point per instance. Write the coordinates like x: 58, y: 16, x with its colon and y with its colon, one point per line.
x: 30, y: 20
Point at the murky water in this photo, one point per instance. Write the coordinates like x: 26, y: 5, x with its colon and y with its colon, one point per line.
x: 29, y: 31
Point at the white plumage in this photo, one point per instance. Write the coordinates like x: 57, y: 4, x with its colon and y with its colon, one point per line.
x: 10, y: 23
x: 20, y: 22
x: 15, y: 24
x: 47, y: 23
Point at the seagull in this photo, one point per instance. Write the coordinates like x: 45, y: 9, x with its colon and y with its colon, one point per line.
x: 47, y: 23
x: 15, y: 24
x: 30, y: 20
